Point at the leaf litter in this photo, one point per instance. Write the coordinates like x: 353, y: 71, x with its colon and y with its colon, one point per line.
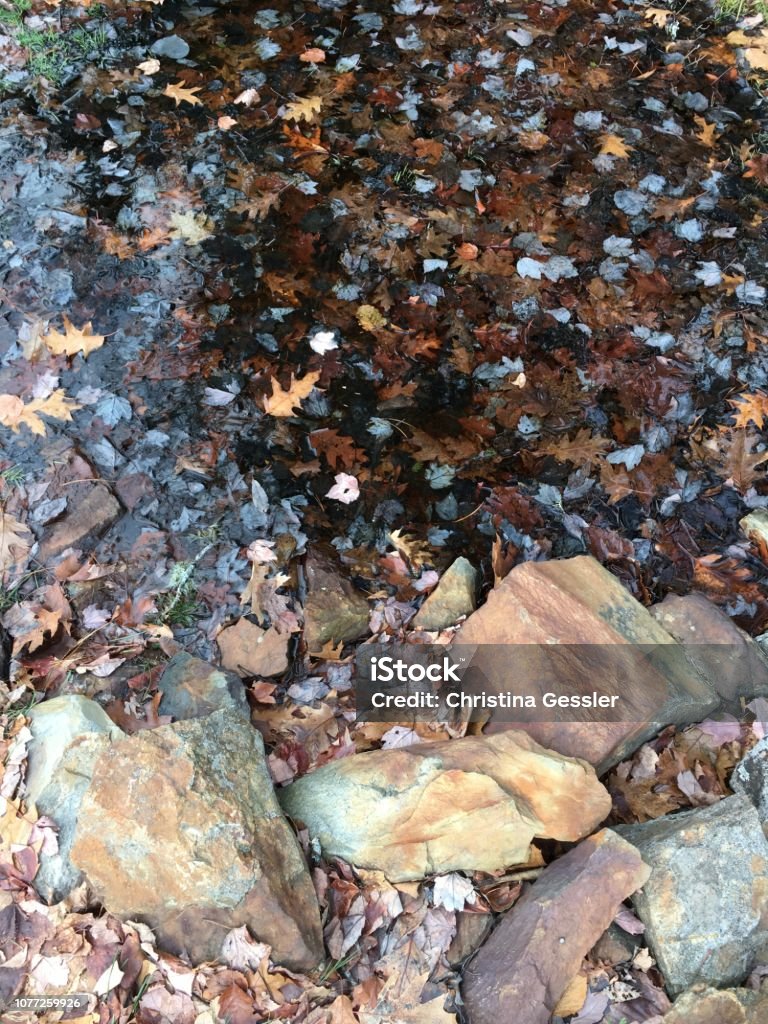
x: 380, y: 287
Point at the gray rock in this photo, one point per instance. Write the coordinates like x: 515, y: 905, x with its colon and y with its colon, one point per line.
x: 180, y: 828
x: 705, y: 906
x: 170, y: 46
x: 68, y: 734
x: 750, y: 777
x: 192, y: 688
x: 454, y: 596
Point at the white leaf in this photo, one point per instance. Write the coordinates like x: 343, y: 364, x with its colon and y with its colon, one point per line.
x: 453, y: 891
x: 526, y: 267
x: 710, y: 274
x: 214, y: 396
x: 323, y: 341
x: 346, y: 489
x: 110, y: 979
x: 629, y: 456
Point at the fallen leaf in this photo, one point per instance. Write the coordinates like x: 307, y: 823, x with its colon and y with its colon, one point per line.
x: 314, y: 55
x: 346, y: 489
x: 453, y: 891
x: 183, y: 94
x: 15, y: 542
x: 74, y: 340
x: 612, y: 145
x: 192, y: 227
x: 283, y: 401
x: 303, y: 109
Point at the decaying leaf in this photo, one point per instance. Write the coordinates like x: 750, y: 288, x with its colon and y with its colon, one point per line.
x: 283, y: 401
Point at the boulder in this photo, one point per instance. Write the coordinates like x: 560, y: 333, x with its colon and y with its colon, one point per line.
x: 574, y: 629
x: 333, y: 611
x: 721, y: 652
x: 472, y: 804
x: 192, y: 688
x: 705, y: 907
x: 537, y: 948
x: 180, y: 828
x: 750, y: 777
x: 454, y: 596
x: 68, y: 734
x: 719, y: 1006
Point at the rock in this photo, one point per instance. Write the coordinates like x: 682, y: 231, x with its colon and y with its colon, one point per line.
x: 472, y: 804
x: 537, y: 948
x: 714, y: 644
x: 250, y: 650
x: 334, y: 611
x: 750, y: 777
x: 180, y: 828
x: 192, y: 688
x: 68, y: 734
x: 717, y: 1006
x: 594, y: 636
x: 705, y: 907
x: 90, y: 517
x: 615, y: 946
x: 471, y: 932
x: 454, y: 596
x: 170, y: 46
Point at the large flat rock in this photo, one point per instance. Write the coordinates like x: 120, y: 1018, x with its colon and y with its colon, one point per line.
x: 596, y: 637
x: 180, y: 828
x: 705, y: 906
x: 68, y: 735
x: 469, y: 804
x: 537, y: 948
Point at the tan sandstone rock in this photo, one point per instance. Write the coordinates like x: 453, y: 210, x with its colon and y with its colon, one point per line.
x: 719, y: 1006
x: 536, y: 949
x: 469, y: 804
x: 180, y: 828
x: 594, y: 636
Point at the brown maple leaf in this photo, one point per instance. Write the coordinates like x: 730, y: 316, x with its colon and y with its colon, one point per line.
x: 339, y: 451
x: 583, y: 448
x: 74, y: 339
x: 283, y: 401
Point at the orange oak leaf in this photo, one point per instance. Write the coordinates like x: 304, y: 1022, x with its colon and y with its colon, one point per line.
x: 74, y: 340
